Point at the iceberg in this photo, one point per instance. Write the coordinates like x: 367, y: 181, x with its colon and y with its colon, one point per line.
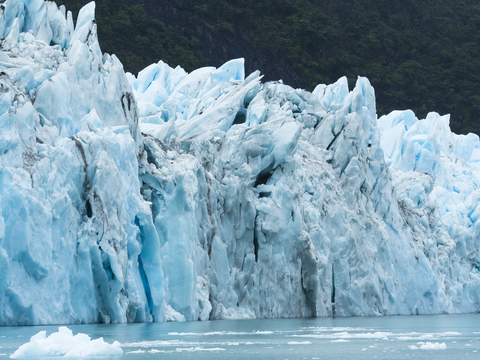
x: 175, y: 196
x: 64, y: 343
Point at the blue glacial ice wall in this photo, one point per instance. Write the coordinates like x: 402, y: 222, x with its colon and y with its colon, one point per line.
x: 211, y: 195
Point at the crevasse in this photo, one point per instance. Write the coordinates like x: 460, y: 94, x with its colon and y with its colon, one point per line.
x: 173, y: 196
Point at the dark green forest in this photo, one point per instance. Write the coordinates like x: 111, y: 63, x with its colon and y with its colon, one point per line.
x: 418, y: 54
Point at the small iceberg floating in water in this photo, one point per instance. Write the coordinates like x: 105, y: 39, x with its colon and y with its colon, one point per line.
x: 429, y: 346
x: 64, y: 343
x: 433, y: 346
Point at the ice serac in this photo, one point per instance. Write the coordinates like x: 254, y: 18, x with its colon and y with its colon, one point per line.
x: 436, y: 174
x: 211, y: 195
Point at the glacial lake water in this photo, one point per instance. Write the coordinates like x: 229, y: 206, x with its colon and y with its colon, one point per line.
x: 395, y: 337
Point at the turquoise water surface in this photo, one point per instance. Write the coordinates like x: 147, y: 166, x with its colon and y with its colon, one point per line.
x: 396, y: 337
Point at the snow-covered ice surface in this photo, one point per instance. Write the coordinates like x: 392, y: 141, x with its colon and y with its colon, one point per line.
x: 64, y: 343
x: 211, y: 195
x: 449, y: 337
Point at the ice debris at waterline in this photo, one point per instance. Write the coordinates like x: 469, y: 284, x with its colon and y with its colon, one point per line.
x: 173, y: 196
x: 64, y: 343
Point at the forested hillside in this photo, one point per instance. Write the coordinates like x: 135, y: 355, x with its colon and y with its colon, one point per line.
x: 423, y: 55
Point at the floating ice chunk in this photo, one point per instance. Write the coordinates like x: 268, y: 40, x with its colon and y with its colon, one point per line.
x: 216, y: 333
x: 155, y: 343
x: 413, y: 347
x: 139, y: 351
x: 299, y: 342
x: 343, y: 335
x: 198, y: 349
x: 433, y: 346
x: 64, y: 343
x: 419, y: 337
x: 339, y: 329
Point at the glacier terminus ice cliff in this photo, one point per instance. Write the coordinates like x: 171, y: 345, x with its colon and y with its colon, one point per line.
x: 212, y: 195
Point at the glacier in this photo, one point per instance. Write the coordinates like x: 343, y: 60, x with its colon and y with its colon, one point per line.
x: 175, y: 196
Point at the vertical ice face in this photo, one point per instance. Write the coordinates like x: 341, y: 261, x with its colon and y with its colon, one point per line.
x: 70, y: 196
x: 436, y: 174
x: 211, y: 195
x: 301, y: 216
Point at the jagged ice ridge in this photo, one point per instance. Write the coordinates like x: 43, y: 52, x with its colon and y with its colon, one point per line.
x: 173, y: 196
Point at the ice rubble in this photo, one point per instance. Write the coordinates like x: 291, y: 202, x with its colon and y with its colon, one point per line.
x: 64, y: 343
x: 211, y: 195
